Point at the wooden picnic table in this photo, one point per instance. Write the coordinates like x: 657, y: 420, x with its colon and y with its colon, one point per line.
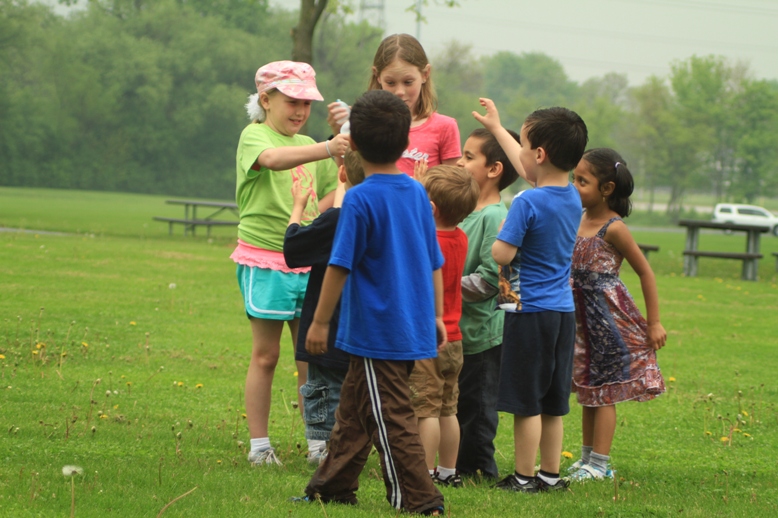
x: 750, y: 257
x: 190, y: 221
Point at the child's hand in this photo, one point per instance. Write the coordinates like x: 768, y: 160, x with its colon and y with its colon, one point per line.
x: 316, y: 339
x: 491, y: 120
x: 420, y: 169
x: 442, y: 335
x: 335, y: 112
x: 339, y: 145
x: 300, y: 194
x: 657, y: 336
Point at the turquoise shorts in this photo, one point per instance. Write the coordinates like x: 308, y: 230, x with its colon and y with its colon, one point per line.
x: 270, y: 294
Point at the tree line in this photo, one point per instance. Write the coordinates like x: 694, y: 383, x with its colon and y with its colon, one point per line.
x: 141, y: 96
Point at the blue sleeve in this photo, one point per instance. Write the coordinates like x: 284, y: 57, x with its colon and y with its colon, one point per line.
x: 520, y: 218
x: 351, y: 235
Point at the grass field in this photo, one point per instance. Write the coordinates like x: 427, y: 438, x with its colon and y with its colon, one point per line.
x: 123, y: 351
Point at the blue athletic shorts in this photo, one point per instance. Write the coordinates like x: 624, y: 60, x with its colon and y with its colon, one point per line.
x: 270, y: 294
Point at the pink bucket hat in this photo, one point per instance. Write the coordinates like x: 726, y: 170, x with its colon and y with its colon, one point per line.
x: 297, y: 80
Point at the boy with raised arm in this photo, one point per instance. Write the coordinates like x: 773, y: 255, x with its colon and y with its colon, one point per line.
x: 387, y: 263
x: 538, y: 337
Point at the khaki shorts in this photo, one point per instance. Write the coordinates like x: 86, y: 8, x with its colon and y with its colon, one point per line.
x: 434, y: 383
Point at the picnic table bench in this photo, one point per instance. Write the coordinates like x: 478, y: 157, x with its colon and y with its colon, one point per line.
x: 750, y: 257
x: 647, y: 248
x: 190, y: 221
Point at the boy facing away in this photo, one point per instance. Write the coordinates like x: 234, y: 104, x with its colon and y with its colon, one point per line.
x: 387, y: 263
x: 453, y: 194
x: 311, y: 246
x: 538, y: 338
x: 480, y: 324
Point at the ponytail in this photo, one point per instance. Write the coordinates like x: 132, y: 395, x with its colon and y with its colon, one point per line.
x: 608, y: 166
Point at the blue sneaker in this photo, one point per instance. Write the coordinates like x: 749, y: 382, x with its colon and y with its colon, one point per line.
x: 589, y: 472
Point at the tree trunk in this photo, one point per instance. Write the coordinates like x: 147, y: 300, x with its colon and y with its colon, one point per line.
x: 302, y: 35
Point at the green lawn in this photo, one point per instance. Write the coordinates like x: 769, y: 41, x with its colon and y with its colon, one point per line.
x: 159, y: 322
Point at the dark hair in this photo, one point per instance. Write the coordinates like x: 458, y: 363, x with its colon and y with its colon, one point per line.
x: 453, y: 190
x: 561, y: 132
x: 494, y: 153
x: 608, y: 166
x: 380, y: 123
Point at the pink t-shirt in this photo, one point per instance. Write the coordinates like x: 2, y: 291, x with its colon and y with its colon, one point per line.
x: 437, y: 139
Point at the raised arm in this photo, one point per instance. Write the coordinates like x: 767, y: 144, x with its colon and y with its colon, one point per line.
x: 619, y: 236
x: 491, y: 121
x: 287, y: 157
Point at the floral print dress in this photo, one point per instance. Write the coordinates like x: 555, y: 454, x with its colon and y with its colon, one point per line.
x: 613, y: 361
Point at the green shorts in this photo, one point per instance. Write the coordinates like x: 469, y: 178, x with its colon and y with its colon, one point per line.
x: 270, y: 294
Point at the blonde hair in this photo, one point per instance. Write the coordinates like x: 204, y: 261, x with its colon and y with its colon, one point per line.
x: 453, y: 190
x: 352, y: 162
x: 408, y: 49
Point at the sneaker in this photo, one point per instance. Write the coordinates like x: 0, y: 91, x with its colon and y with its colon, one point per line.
x: 589, y: 472
x: 318, y: 456
x: 511, y: 483
x: 560, y: 485
x: 267, y: 456
x: 575, y: 466
x: 451, y: 481
x: 309, y: 499
x: 435, y: 511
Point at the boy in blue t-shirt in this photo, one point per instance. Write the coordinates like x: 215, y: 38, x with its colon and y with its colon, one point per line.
x: 387, y: 263
x: 538, y: 337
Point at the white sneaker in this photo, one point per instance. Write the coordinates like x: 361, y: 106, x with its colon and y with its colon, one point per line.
x: 317, y: 456
x: 267, y: 456
x: 589, y: 472
x: 575, y: 466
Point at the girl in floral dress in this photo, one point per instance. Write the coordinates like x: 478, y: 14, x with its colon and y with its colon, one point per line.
x: 615, y: 347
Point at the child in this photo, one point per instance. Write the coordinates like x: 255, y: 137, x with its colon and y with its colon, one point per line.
x: 387, y: 262
x: 453, y: 194
x: 615, y: 348
x: 481, y: 325
x: 271, y: 155
x: 311, y: 246
x: 538, y: 338
x: 400, y: 66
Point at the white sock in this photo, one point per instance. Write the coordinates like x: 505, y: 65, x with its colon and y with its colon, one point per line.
x: 444, y: 473
x: 586, y: 451
x: 432, y: 472
x: 316, y: 445
x: 260, y: 444
x: 600, y: 462
x: 549, y: 478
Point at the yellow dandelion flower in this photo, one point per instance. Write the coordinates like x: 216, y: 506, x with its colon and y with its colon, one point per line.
x: 35, y: 353
x: 104, y: 416
x: 746, y: 435
x: 40, y: 345
x: 133, y: 323
x: 738, y: 430
x: 64, y: 353
x: 180, y: 383
x: 671, y: 379
x: 116, y: 407
x: 745, y: 413
x: 123, y: 376
x: 724, y: 439
x: 567, y: 455
x: 243, y: 416
x: 129, y: 384
x: 708, y: 433
x: 296, y: 374
x: 199, y: 385
x: 84, y: 344
x: 218, y: 461
x: 2, y: 357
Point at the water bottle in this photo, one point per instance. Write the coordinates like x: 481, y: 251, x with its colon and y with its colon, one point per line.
x: 345, y: 125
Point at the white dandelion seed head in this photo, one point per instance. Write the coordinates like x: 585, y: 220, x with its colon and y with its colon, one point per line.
x: 69, y: 471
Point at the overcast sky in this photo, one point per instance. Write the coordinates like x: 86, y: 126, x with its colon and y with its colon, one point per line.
x: 593, y: 37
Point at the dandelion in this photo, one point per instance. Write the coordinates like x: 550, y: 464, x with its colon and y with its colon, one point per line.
x: 218, y: 461
x: 199, y: 386
x: 746, y: 435
x: 84, y: 344
x: 40, y: 345
x: 738, y: 430
x: 129, y: 383
x: 744, y: 412
x: 242, y: 415
x: 296, y: 374
x: 724, y: 439
x: 35, y: 353
x: 2, y: 357
x: 133, y: 323
x: 671, y: 379
x: 116, y: 407
x: 567, y: 455
x: 64, y: 353
x: 180, y: 383
x: 104, y: 416
x: 708, y: 433
x: 69, y: 471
